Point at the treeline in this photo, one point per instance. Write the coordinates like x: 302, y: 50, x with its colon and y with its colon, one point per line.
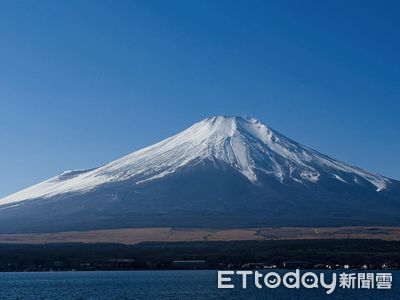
x: 373, y: 253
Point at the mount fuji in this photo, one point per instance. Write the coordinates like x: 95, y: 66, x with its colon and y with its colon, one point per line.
x: 225, y: 172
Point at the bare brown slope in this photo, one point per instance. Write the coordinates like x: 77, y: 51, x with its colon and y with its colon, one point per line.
x: 167, y: 234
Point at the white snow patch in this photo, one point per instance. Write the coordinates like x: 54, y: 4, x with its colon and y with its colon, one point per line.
x: 339, y: 178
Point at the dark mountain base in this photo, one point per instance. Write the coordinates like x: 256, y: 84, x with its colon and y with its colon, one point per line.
x: 210, y: 255
x: 204, y: 197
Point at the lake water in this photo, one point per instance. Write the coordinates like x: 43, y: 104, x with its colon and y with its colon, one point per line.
x: 160, y: 285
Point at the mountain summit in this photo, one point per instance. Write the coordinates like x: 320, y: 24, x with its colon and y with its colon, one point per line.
x: 230, y: 171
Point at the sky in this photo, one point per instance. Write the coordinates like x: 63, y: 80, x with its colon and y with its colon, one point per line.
x: 85, y: 82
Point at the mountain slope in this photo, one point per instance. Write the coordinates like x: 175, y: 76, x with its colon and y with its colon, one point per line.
x: 222, y: 171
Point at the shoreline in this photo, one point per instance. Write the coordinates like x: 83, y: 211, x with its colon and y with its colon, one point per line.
x: 199, y: 270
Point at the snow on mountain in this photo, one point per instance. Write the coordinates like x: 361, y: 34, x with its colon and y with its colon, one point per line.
x: 244, y: 144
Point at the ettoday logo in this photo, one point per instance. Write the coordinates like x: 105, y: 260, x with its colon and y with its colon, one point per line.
x: 309, y: 280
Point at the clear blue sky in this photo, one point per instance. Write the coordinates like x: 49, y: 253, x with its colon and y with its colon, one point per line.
x: 85, y: 82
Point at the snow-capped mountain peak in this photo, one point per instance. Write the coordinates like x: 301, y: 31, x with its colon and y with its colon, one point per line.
x: 244, y: 144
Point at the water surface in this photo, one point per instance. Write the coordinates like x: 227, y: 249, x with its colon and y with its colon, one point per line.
x: 159, y: 285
